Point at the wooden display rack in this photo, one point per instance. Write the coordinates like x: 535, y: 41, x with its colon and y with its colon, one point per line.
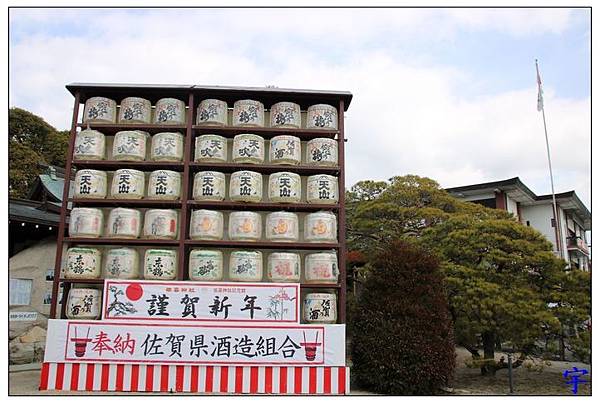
x: 192, y: 95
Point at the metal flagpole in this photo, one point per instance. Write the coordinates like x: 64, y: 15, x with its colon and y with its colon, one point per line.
x: 555, y: 209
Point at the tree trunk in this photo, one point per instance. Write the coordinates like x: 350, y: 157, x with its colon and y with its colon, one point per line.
x: 561, y: 345
x: 489, y: 366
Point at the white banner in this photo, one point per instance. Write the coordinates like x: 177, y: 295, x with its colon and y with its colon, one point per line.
x: 201, y: 301
x: 96, y: 341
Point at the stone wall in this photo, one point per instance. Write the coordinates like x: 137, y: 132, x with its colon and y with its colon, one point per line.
x: 27, y: 338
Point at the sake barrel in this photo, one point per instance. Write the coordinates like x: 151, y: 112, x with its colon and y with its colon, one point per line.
x: 83, y: 263
x: 209, y: 185
x: 320, y: 227
x: 160, y: 224
x: 100, y: 110
x: 247, y: 112
x: 124, y: 223
x: 127, y: 184
x: 164, y: 185
x: 167, y: 146
x: 130, y: 145
x: 322, y: 189
x: 169, y: 111
x: 281, y: 226
x: 321, y: 116
x: 285, y: 114
x: 245, y: 186
x: 206, y: 224
x: 160, y: 264
x: 135, y: 110
x: 90, y: 184
x: 122, y: 263
x: 85, y: 222
x: 321, y: 267
x: 285, y: 150
x: 244, y: 226
x: 248, y: 149
x: 83, y: 303
x: 206, y: 265
x: 283, y: 267
x: 210, y: 148
x: 320, y: 307
x: 89, y: 145
x: 245, y: 265
x: 322, y: 152
x: 212, y: 112
x: 284, y: 187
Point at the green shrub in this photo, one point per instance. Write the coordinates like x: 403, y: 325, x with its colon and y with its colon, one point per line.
x: 402, y: 333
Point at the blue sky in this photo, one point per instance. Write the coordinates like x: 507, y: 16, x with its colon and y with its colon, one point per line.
x: 444, y: 93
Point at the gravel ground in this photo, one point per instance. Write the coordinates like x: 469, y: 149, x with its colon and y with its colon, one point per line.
x: 467, y: 381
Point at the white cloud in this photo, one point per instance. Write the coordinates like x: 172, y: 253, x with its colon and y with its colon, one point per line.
x: 403, y: 119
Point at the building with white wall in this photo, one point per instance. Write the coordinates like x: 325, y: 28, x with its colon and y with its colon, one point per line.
x: 568, y: 238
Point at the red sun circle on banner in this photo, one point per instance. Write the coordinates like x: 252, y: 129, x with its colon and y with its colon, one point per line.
x: 134, y: 292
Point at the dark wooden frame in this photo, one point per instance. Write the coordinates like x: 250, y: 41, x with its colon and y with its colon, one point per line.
x: 192, y: 95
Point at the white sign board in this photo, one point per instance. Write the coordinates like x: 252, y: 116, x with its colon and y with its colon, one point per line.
x: 201, y: 301
x: 22, y: 316
x: 96, y: 341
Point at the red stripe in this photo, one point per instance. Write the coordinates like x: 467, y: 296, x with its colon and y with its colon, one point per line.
x: 312, y: 380
x: 298, y: 380
x: 44, y: 376
x: 253, y: 379
x: 74, y: 376
x: 282, y: 379
x: 104, y: 377
x: 224, y: 373
x: 179, y: 378
x: 342, y: 380
x: 327, y: 380
x: 268, y: 379
x: 164, y: 378
x: 135, y: 374
x: 149, y: 377
x: 89, y: 377
x: 120, y: 376
x: 60, y: 374
x: 208, y: 387
x: 239, y: 379
x: 194, y: 379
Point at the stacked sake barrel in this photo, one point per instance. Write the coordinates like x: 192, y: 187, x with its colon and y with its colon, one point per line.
x: 215, y: 192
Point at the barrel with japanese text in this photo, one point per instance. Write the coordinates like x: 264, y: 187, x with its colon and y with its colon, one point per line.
x: 244, y: 226
x: 322, y: 189
x: 100, y: 110
x: 210, y: 148
x: 122, y: 263
x: 321, y: 116
x: 245, y: 265
x: 127, y: 184
x: 160, y: 224
x: 285, y: 187
x: 86, y: 222
x: 169, y: 111
x: 285, y: 115
x: 89, y: 145
x: 248, y: 149
x: 285, y: 150
x: 322, y: 152
x: 130, y: 145
x: 167, y: 146
x: 206, y: 224
x: 90, y: 184
x: 320, y: 307
x: 83, y: 263
x: 124, y: 223
x: 160, y: 264
x: 83, y: 303
x: 164, y: 185
x: 247, y: 112
x: 245, y: 186
x: 320, y: 227
x: 282, y: 226
x: 321, y: 267
x: 209, y: 186
x: 212, y: 112
x: 283, y: 267
x: 135, y: 110
x: 206, y: 265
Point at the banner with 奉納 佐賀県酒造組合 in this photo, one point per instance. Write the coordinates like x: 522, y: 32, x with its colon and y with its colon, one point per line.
x: 201, y: 301
x: 194, y: 343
